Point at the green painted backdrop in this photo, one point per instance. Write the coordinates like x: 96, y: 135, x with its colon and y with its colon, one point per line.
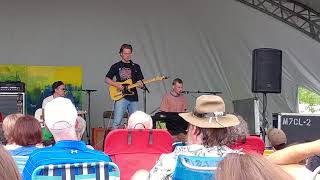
x: 38, y: 80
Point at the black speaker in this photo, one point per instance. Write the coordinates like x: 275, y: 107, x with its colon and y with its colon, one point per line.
x: 266, y: 70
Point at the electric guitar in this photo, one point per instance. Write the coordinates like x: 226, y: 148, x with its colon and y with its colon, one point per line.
x: 117, y: 94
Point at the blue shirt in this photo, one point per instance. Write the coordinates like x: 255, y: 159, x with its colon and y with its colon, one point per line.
x: 61, y: 153
x: 23, y: 151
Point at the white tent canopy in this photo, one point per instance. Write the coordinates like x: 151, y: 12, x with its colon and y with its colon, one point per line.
x: 207, y: 43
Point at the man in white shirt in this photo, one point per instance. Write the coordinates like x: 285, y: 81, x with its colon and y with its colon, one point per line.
x: 58, y: 90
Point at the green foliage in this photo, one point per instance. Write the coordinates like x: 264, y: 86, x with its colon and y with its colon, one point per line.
x: 310, y: 98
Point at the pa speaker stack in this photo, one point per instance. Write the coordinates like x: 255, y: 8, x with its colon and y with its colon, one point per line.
x: 266, y: 70
x: 266, y: 77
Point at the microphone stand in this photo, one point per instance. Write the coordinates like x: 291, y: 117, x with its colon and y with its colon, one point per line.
x: 145, y: 96
x: 145, y: 89
x: 88, y: 127
x: 203, y: 92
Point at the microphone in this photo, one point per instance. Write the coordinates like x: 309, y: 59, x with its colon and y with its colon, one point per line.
x: 88, y: 90
x: 185, y: 92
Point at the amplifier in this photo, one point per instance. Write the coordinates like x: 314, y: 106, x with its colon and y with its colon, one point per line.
x: 249, y: 110
x: 12, y: 86
x: 12, y: 103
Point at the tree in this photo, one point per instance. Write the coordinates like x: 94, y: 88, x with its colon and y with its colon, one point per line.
x: 310, y: 98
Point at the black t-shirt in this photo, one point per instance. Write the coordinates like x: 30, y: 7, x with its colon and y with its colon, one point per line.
x: 124, y: 71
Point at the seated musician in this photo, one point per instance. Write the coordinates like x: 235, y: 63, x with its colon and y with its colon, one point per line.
x: 58, y: 90
x: 174, y: 101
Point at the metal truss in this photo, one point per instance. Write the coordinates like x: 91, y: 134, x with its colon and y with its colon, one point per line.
x: 292, y: 13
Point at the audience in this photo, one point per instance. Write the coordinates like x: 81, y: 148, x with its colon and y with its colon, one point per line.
x: 290, y: 157
x: 25, y: 137
x: 246, y: 143
x: 313, y: 162
x: 80, y: 128
x: 139, y: 120
x: 47, y: 136
x: 8, y: 125
x: 8, y: 168
x: 2, y: 138
x: 277, y: 138
x: 249, y: 166
x: 61, y: 119
x: 241, y: 129
x: 209, y: 133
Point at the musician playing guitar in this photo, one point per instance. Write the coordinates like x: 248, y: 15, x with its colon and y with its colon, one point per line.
x: 123, y: 71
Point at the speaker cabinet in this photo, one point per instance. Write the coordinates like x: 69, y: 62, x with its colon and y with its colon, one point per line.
x: 266, y: 70
x: 11, y: 103
x: 98, y: 135
x: 249, y: 110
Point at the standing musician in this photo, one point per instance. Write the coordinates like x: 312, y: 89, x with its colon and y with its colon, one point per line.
x: 124, y: 70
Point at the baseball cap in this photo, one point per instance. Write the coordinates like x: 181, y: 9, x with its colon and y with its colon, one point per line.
x: 60, y: 114
x: 276, y: 137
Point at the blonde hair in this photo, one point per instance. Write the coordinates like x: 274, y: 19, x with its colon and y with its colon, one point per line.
x: 8, y: 167
x: 8, y: 125
x: 139, y: 120
x: 249, y: 166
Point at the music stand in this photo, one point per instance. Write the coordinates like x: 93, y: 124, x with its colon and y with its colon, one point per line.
x: 88, y: 126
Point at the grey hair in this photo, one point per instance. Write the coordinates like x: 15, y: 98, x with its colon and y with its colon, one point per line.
x: 240, y: 130
x: 139, y: 120
x: 81, y: 127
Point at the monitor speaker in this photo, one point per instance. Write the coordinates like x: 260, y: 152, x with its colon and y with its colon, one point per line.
x: 248, y: 109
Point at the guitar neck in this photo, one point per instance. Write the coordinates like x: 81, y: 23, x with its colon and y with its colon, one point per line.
x: 144, y: 81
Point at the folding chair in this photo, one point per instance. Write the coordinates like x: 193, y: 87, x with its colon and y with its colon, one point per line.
x: 315, y: 173
x: 195, y: 167
x: 136, y: 149
x: 109, y: 115
x: 77, y: 171
x: 249, y: 144
x: 1, y: 117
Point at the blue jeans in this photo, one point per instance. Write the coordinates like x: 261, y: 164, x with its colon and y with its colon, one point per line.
x: 120, y: 108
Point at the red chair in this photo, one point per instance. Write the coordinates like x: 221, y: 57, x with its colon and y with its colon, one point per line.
x: 1, y: 117
x: 136, y: 149
x: 249, y: 144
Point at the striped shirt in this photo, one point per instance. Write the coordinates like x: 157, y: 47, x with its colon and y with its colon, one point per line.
x: 62, y: 152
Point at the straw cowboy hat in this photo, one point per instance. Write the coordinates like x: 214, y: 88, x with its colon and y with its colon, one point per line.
x: 209, y: 112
